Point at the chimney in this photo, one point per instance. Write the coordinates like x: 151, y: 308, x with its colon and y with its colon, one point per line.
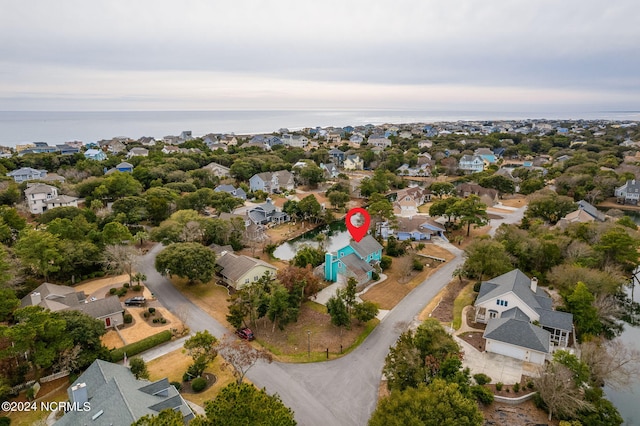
x: 79, y: 394
x: 534, y: 284
x: 36, y: 298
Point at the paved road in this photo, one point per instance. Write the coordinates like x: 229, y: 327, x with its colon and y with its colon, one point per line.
x: 338, y: 392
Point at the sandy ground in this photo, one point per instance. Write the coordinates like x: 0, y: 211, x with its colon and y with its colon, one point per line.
x: 140, y: 328
x: 92, y: 286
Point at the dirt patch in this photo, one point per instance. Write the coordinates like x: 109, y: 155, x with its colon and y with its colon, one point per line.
x: 499, y: 414
x: 390, y: 292
x: 294, y: 343
x: 475, y: 339
x: 516, y: 201
x: 443, y: 311
x: 92, y: 286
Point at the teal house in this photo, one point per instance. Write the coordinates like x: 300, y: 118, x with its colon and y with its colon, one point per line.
x: 355, y: 260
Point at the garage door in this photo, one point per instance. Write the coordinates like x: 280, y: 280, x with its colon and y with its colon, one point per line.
x: 507, y: 350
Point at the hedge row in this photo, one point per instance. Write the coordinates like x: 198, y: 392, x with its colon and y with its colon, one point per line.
x: 140, y: 346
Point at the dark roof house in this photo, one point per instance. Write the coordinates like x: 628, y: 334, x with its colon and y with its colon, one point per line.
x: 115, y: 397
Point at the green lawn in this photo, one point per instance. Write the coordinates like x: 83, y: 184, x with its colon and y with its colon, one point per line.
x: 463, y: 299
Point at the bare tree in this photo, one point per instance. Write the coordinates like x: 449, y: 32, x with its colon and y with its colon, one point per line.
x: 405, y: 267
x: 120, y: 259
x: 609, y: 310
x: 240, y: 355
x: 192, y: 232
x: 559, y: 391
x: 68, y: 359
x: 611, y: 362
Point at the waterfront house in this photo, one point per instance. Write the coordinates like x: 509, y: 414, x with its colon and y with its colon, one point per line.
x: 357, y: 260
x: 267, y: 213
x: 629, y: 193
x: 109, y: 394
x: 521, y: 322
x: 237, y: 271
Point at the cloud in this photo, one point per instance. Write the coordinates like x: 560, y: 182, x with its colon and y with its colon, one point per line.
x: 244, y: 51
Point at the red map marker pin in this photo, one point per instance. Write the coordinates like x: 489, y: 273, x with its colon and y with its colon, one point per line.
x: 358, y: 232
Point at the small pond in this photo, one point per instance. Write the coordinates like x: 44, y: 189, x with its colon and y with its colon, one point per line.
x: 335, y: 236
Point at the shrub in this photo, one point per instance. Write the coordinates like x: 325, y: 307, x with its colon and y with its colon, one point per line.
x: 186, y: 377
x: 499, y: 386
x: 375, y: 276
x: 5, y: 421
x: 385, y: 262
x: 417, y: 265
x: 481, y: 379
x: 420, y: 246
x: 113, y: 290
x: 152, y: 310
x: 476, y: 286
x: 163, y: 321
x: 482, y: 394
x: 140, y: 346
x: 198, y: 384
x: 126, y: 285
x: 529, y: 384
x: 176, y: 385
x: 145, y: 314
x: 516, y: 387
x: 137, y: 287
x: 121, y: 292
x: 128, y: 318
x: 507, y: 390
x: 30, y: 393
x: 155, y: 320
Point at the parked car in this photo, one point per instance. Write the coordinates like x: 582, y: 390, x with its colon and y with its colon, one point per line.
x: 245, y: 333
x: 135, y: 301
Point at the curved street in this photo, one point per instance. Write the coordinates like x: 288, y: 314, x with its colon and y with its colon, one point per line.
x: 338, y: 392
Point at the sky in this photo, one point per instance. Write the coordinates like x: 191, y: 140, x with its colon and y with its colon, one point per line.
x: 490, y: 55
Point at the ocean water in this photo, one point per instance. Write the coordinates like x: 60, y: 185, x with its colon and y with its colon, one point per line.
x: 56, y: 127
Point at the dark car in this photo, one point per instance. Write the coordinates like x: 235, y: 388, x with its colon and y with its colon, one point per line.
x: 135, y: 301
x: 245, y: 333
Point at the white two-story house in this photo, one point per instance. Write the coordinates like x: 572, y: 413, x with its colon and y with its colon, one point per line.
x: 41, y: 197
x: 521, y: 322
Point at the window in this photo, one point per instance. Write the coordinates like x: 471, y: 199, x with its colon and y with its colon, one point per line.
x: 246, y: 281
x: 501, y: 302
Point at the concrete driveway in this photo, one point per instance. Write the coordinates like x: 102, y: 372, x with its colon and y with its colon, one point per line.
x: 499, y: 367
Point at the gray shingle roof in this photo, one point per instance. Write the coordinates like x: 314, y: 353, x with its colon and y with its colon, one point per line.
x: 366, y: 246
x: 514, y: 281
x: 519, y: 333
x: 101, y: 308
x: 356, y: 265
x: 39, y: 188
x: 556, y: 319
x: 117, y: 398
x: 234, y: 266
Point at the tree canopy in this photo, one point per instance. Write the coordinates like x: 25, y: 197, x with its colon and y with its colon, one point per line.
x: 187, y: 260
